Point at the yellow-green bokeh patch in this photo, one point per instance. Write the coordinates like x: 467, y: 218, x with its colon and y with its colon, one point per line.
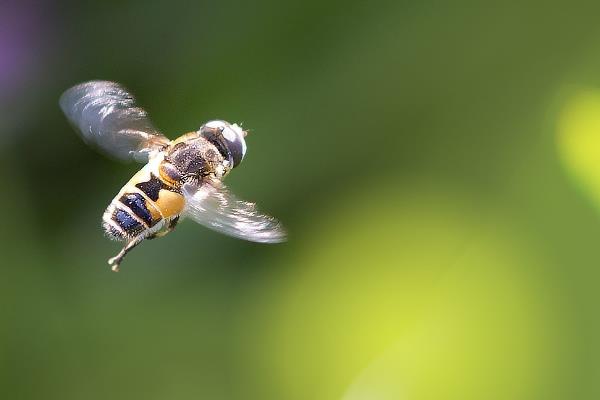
x: 414, y: 294
x: 579, y: 139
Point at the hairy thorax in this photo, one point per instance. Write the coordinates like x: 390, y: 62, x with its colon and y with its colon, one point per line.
x: 190, y: 158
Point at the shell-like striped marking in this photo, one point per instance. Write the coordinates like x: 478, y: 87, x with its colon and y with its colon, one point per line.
x: 127, y: 222
x: 144, y: 202
x: 138, y: 206
x: 120, y: 223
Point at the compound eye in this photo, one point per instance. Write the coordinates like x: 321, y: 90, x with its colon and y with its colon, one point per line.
x: 234, y: 139
x: 229, y: 139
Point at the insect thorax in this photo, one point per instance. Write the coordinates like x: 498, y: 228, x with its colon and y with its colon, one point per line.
x: 191, y: 158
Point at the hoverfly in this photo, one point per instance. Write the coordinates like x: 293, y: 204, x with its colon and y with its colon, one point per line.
x: 181, y: 178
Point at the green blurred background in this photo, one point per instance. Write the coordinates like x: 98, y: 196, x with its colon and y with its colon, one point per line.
x: 437, y: 165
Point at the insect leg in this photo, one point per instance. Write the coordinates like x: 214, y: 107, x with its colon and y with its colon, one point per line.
x: 116, y: 260
x: 168, y: 229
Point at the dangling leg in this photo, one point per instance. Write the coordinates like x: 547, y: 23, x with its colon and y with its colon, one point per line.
x: 172, y: 224
x: 116, y: 260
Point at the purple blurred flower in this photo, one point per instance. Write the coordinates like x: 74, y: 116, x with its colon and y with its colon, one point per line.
x: 21, y: 34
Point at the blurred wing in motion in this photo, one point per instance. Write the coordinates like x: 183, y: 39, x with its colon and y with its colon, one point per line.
x: 213, y: 206
x: 107, y: 117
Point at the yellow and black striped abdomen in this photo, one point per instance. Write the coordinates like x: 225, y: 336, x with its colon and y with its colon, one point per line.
x: 143, y: 205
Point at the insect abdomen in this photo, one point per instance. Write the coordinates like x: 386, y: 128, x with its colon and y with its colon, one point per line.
x: 129, y: 215
x: 144, y: 202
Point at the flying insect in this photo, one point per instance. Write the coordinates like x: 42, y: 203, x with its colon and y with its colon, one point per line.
x: 181, y: 177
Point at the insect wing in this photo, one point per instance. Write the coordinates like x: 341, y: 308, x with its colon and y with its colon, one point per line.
x: 107, y: 117
x: 212, y: 205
